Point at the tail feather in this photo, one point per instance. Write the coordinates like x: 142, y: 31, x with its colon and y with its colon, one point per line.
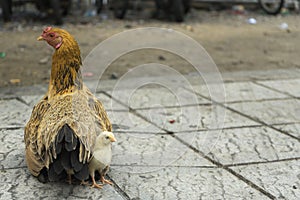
x: 65, y: 160
x: 83, y: 174
x: 53, y: 176
x: 58, y: 168
x: 75, y: 162
x: 58, y: 148
x: 67, y: 150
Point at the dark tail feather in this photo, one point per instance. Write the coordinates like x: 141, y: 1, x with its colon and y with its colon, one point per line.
x: 82, y: 175
x: 67, y: 150
x: 74, y: 160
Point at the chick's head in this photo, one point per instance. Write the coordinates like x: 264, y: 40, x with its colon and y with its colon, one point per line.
x: 105, y: 138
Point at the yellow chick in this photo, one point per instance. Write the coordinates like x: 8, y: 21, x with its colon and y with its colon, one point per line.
x: 102, y: 157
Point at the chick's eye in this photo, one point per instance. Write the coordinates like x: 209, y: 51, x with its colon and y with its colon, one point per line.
x: 107, y: 137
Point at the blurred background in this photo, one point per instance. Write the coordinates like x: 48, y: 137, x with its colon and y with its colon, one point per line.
x: 240, y: 35
x: 173, y: 10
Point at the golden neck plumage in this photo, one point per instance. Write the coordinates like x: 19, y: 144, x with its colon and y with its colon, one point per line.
x: 65, y: 73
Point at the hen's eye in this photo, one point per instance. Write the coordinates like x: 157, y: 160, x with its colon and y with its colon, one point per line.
x: 51, y: 34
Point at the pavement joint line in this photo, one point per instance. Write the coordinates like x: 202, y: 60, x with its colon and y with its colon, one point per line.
x: 274, y: 89
x: 259, y: 100
x: 141, y: 132
x: 115, y: 110
x: 20, y: 99
x: 118, y: 189
x: 175, y: 106
x: 12, y: 128
x: 164, y: 166
x: 257, y: 79
x: 262, y: 162
x: 249, y: 117
x: 219, y: 129
x: 12, y: 168
x: 218, y: 164
x: 6, y: 98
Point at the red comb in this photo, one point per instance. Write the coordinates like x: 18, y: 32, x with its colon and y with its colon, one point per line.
x: 47, y: 29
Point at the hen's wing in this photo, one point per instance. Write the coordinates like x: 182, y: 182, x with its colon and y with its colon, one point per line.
x: 35, y: 160
x: 100, y: 112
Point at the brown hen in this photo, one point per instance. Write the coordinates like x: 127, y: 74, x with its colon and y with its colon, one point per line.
x: 61, y: 132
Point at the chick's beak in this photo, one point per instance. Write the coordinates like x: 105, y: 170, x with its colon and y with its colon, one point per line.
x: 40, y: 38
x: 112, y: 139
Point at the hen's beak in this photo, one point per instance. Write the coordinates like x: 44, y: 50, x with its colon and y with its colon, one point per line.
x: 40, y: 38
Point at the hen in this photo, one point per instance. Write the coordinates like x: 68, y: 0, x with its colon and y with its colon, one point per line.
x: 61, y: 132
x: 102, y: 157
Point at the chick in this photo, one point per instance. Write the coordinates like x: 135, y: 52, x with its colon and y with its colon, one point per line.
x: 102, y: 157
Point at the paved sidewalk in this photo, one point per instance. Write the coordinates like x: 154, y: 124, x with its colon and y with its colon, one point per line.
x: 171, y: 150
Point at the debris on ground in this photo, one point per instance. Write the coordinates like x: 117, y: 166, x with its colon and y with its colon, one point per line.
x: 15, y: 81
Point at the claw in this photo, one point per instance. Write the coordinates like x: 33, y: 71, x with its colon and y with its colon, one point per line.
x: 84, y: 182
x: 103, y: 180
x: 95, y: 185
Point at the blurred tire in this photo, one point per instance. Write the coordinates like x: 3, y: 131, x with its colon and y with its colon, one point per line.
x: 57, y: 14
x: 186, y: 6
x: 6, y: 6
x: 99, y: 5
x: 120, y: 8
x: 272, y: 7
x: 177, y: 10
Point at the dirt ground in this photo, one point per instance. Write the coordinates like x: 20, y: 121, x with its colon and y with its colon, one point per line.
x: 234, y: 44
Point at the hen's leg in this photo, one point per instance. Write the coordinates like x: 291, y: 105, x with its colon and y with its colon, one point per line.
x: 69, y: 180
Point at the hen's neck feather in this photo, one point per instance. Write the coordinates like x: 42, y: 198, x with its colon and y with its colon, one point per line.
x: 65, y: 72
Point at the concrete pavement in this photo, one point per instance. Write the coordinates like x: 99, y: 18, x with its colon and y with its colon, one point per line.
x: 167, y: 149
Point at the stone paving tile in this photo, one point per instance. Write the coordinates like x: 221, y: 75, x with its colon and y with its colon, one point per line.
x: 274, y: 74
x: 293, y: 129
x: 19, y: 184
x: 195, y: 118
x: 108, y: 103
x: 146, y: 97
x: 281, y: 179
x: 241, y: 91
x: 16, y: 114
x: 183, y: 183
x: 271, y: 112
x: 242, y: 145
x: 31, y: 100
x: 290, y: 86
x: 12, y: 148
x: 137, y: 149
x: 126, y: 121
